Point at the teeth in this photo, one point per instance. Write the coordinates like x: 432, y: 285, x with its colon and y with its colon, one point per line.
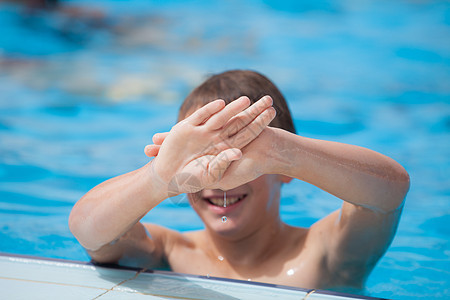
x: 220, y: 201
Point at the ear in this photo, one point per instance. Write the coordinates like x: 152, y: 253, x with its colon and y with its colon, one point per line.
x: 285, y: 179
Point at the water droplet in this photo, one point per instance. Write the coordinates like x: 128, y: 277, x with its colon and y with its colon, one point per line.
x: 224, y: 218
x: 207, y: 275
x: 220, y: 257
x: 290, y: 272
x: 249, y: 279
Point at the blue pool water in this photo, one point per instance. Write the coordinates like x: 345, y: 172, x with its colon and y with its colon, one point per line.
x: 81, y: 96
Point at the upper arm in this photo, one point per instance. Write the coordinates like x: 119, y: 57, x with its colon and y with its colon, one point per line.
x: 144, y: 245
x: 354, y: 239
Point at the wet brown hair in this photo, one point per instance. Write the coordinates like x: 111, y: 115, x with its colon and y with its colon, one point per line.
x: 231, y: 85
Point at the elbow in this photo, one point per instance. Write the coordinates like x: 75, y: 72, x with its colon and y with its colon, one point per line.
x: 407, y: 182
x: 76, y: 224
x: 393, y: 187
x: 404, y: 182
x: 80, y: 230
x: 401, y: 184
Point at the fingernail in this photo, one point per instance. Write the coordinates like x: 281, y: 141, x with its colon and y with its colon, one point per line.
x: 244, y: 98
x: 267, y: 99
x: 274, y: 111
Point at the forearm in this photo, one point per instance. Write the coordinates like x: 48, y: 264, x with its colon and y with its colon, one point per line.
x: 135, y: 248
x: 354, y: 174
x: 110, y: 209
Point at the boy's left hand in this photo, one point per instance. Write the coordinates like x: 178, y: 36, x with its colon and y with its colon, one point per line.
x: 244, y: 127
x: 257, y: 159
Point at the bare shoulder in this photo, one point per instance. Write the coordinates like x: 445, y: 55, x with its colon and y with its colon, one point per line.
x: 302, y: 245
x: 309, y: 240
x: 195, y: 235
x: 319, y: 234
x: 297, y: 236
x: 186, y: 252
x: 167, y: 237
x: 352, y: 240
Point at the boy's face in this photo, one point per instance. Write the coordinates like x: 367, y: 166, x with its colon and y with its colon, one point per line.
x: 249, y: 206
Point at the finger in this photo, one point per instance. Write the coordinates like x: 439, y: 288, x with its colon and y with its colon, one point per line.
x: 159, y: 138
x: 222, y: 161
x: 221, y: 118
x: 247, y: 116
x: 152, y: 150
x: 202, y: 114
x: 251, y: 131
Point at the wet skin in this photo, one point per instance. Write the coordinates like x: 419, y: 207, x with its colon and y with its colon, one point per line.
x: 339, y: 250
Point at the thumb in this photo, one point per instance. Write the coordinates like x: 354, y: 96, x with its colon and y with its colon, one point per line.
x: 159, y: 138
x: 152, y: 150
x: 222, y: 161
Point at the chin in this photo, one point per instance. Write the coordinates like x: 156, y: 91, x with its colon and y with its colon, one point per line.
x: 212, y: 211
x: 228, y: 228
x: 235, y: 228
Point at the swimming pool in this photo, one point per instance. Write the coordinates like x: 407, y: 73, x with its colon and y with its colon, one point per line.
x: 81, y: 97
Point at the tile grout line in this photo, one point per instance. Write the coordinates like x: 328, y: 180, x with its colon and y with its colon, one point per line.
x: 122, y: 282
x: 55, y: 283
x: 140, y: 293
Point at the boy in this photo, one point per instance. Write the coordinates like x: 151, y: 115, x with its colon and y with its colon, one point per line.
x: 226, y: 155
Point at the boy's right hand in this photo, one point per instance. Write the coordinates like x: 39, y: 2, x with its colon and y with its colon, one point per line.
x: 198, y: 150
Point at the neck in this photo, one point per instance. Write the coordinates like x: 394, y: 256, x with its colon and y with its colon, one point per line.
x: 251, y: 248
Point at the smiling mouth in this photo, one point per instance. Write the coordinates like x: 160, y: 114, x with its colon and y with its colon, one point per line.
x: 219, y: 201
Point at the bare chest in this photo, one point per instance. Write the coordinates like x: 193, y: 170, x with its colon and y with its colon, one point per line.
x: 301, y: 271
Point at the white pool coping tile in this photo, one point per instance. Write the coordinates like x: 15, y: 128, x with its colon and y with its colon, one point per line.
x: 16, y: 289
x: 188, y: 287
x: 33, y: 278
x: 113, y: 295
x: 70, y: 274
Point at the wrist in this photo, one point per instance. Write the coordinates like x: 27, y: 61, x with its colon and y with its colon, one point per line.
x: 270, y: 160
x: 157, y: 185
x: 279, y: 152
